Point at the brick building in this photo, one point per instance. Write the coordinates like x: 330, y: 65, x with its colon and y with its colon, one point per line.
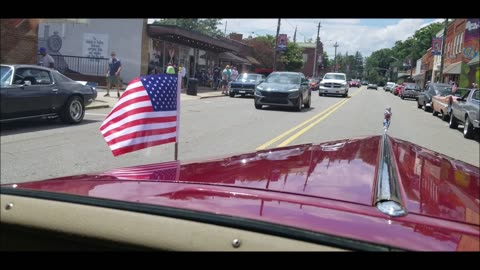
x: 308, y: 58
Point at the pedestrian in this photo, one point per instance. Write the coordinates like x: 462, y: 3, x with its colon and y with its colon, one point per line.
x: 113, y: 74
x: 170, y: 69
x: 183, y: 74
x: 226, y: 73
x: 46, y: 60
x: 216, y: 77
x: 387, y: 115
x: 234, y: 75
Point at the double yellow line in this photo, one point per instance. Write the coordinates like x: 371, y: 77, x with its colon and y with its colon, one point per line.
x: 314, y: 119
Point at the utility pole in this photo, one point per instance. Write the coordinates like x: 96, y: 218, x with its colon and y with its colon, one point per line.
x: 315, y: 55
x: 336, y: 45
x: 444, y: 38
x: 226, y: 22
x: 275, y: 49
x: 295, y: 36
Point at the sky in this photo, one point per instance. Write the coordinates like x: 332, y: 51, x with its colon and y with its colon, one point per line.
x: 364, y: 35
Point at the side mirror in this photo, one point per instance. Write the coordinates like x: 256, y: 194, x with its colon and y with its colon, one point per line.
x: 27, y: 83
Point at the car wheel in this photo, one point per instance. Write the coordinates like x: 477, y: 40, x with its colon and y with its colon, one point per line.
x: 419, y: 105
x: 453, y: 122
x: 258, y: 106
x: 445, y: 116
x: 298, y: 108
x: 73, y: 110
x: 309, y: 103
x: 425, y: 107
x: 231, y: 94
x: 434, y: 113
x: 467, y: 129
x: 402, y: 97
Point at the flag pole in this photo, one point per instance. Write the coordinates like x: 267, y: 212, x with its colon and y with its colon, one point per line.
x: 179, y: 90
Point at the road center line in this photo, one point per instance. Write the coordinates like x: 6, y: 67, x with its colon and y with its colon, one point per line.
x: 296, y: 135
x: 272, y: 141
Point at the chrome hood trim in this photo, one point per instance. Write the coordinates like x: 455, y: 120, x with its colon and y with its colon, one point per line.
x: 388, y: 198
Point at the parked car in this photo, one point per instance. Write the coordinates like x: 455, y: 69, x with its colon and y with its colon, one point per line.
x: 354, y: 83
x: 389, y: 86
x: 372, y: 86
x: 466, y: 111
x: 373, y: 193
x: 334, y: 84
x: 245, y: 84
x: 424, y: 98
x: 398, y: 89
x: 314, y: 84
x: 443, y: 104
x: 410, y: 90
x: 29, y: 91
x: 289, y: 89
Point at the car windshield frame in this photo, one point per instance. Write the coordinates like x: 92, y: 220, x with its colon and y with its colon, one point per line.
x: 334, y: 77
x: 283, y: 78
x: 6, y: 75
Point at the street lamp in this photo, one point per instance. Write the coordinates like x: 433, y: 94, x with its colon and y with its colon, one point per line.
x: 336, y: 45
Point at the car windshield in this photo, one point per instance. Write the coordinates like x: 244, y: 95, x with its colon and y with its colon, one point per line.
x: 6, y: 73
x: 244, y: 119
x: 334, y: 77
x: 248, y: 78
x: 283, y: 78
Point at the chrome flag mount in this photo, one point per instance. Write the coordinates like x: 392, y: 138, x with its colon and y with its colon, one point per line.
x: 146, y: 115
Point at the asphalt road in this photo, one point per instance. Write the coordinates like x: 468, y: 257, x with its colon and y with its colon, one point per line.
x: 222, y: 126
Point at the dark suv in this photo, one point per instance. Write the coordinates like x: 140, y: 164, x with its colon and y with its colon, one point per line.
x: 289, y: 89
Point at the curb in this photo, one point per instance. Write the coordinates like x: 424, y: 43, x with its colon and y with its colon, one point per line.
x: 212, y: 96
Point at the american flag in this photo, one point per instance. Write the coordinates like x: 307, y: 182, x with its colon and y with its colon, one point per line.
x: 145, y: 115
x: 159, y: 171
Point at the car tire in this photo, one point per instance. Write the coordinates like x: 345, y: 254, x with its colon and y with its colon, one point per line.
x: 434, y: 113
x: 453, y: 122
x: 467, y: 129
x: 73, y: 111
x: 231, y: 94
x: 298, y: 108
x: 402, y: 97
x: 419, y: 106
x: 258, y: 106
x: 445, y: 116
x: 425, y: 107
x: 309, y: 103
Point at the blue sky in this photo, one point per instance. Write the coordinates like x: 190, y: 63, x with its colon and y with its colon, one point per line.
x: 364, y: 35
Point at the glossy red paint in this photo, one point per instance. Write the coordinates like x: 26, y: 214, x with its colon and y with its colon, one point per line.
x: 436, y: 185
x: 326, y: 187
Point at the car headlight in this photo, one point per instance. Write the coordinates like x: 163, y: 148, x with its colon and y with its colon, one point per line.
x: 293, y: 94
x: 344, y: 84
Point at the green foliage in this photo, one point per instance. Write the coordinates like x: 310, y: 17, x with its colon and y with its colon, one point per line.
x: 262, y: 49
x: 204, y: 26
x: 292, y: 59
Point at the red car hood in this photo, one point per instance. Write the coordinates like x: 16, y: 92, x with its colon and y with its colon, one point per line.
x: 343, y: 171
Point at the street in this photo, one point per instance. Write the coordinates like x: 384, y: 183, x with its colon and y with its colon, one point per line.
x: 223, y: 126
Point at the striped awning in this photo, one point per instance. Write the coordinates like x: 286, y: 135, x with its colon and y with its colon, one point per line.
x: 454, y: 68
x: 474, y: 61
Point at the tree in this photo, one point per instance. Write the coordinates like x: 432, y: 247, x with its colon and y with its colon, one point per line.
x: 262, y: 49
x: 292, y: 59
x: 205, y: 26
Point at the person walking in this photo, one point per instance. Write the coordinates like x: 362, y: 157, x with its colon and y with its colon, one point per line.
x: 113, y: 74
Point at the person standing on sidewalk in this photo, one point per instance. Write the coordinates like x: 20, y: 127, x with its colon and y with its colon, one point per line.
x: 46, y: 60
x: 183, y: 73
x: 113, y: 74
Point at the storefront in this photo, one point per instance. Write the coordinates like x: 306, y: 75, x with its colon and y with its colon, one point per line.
x: 195, y: 51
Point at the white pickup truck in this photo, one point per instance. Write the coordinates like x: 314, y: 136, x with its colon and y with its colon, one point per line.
x: 334, y: 84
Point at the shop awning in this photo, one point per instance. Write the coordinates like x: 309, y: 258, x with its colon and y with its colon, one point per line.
x: 193, y: 39
x: 234, y: 58
x: 418, y: 76
x: 253, y: 60
x: 474, y: 61
x: 454, y: 68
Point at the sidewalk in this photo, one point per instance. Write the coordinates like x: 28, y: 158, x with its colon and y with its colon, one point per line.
x: 109, y: 102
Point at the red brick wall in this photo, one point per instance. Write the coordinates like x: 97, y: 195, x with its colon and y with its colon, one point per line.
x: 308, y: 66
x: 18, y: 41
x: 454, y: 29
